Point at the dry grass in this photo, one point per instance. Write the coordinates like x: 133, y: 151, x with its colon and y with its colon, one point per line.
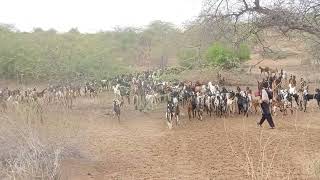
x: 269, y: 154
x: 33, y: 142
x: 24, y: 155
x: 317, y: 168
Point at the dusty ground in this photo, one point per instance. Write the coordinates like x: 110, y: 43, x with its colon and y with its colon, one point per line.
x: 142, y: 147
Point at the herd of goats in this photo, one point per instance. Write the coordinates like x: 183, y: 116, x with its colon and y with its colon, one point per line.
x: 145, y: 90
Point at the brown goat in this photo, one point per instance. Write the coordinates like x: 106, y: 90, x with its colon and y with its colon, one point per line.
x: 264, y: 69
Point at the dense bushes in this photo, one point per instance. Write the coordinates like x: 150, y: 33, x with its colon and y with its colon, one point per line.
x: 222, y: 55
x: 217, y: 54
x: 48, y: 55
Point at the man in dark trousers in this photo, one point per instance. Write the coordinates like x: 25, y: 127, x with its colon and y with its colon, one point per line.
x: 265, y: 106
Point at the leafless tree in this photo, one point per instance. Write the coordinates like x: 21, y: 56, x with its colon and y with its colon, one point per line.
x: 286, y: 15
x: 250, y: 17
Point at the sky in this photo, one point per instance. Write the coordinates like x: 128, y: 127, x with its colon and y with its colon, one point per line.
x: 94, y: 15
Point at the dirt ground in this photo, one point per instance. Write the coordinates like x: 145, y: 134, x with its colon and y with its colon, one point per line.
x: 142, y: 147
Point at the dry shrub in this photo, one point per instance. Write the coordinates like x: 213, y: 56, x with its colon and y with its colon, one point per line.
x: 23, y: 155
x: 33, y: 143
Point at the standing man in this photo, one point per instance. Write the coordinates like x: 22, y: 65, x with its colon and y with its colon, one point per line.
x: 248, y: 92
x: 290, y: 80
x: 305, y: 93
x: 265, y: 106
x: 294, y: 82
x: 302, y: 83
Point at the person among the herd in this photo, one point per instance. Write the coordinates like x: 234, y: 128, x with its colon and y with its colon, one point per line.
x: 290, y: 80
x: 265, y: 106
x: 302, y: 84
x: 294, y: 82
x: 248, y: 90
x: 305, y: 92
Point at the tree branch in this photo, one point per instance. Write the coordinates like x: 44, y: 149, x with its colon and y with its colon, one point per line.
x: 245, y: 4
x: 257, y: 4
